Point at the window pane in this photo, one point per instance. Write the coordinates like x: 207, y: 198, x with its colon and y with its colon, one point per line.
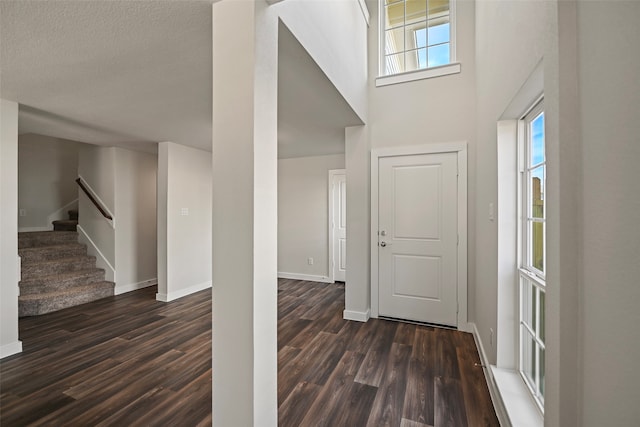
x: 528, y: 356
x: 394, y: 40
x: 415, y: 59
x: 438, y: 33
x: 438, y: 8
x: 438, y: 55
x: 537, y: 192
x: 534, y: 307
x: 542, y: 369
x: 541, y: 331
x: 527, y: 301
x: 416, y: 11
x: 537, y: 244
x: 394, y: 63
x: 394, y: 14
x: 416, y: 35
x: 537, y: 140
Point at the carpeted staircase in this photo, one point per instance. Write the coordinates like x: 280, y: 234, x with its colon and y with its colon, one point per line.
x: 70, y: 224
x: 57, y: 273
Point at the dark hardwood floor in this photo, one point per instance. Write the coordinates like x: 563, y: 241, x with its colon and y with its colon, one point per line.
x: 130, y: 360
x: 333, y: 372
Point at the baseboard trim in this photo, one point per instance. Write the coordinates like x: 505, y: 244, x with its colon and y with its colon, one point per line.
x: 305, y: 277
x: 171, y: 296
x: 123, y: 289
x: 496, y: 398
x: 101, y: 260
x: 358, y: 316
x: 32, y: 229
x: 10, y: 349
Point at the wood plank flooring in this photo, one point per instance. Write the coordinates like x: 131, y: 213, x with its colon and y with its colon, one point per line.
x: 127, y: 360
x: 333, y: 372
x: 131, y: 360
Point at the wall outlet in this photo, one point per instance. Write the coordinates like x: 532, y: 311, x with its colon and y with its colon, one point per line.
x: 491, y: 336
x: 23, y: 212
x: 310, y: 261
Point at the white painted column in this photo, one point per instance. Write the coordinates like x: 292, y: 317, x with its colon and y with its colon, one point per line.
x: 162, y: 218
x: 563, y: 354
x: 358, y: 283
x: 9, y: 261
x: 244, y: 214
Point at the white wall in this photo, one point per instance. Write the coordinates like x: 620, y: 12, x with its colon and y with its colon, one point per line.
x: 135, y: 200
x: 303, y: 215
x: 96, y: 166
x: 357, y: 297
x: 47, y: 169
x: 9, y: 261
x: 510, y: 40
x: 334, y: 35
x: 184, y: 258
x: 608, y: 35
x: 592, y: 235
x: 420, y: 112
x: 125, y: 182
x: 498, y: 49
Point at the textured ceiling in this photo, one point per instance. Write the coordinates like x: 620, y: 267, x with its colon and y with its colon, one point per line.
x: 109, y: 72
x: 134, y: 73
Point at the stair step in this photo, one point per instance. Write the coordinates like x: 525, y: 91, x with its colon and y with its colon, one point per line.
x: 73, y: 214
x: 33, y: 239
x: 65, y: 225
x: 35, y: 304
x: 47, y: 253
x: 57, y: 266
x: 61, y: 281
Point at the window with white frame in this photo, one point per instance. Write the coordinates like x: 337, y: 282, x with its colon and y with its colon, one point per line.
x: 416, y: 35
x: 533, y: 252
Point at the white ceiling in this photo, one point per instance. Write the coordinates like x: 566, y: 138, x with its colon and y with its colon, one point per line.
x: 136, y: 73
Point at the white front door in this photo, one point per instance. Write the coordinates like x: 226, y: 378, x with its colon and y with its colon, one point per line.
x: 339, y: 226
x: 417, y: 237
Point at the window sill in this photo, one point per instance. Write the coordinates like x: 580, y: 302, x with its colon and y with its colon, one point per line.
x: 520, y: 406
x: 444, y: 70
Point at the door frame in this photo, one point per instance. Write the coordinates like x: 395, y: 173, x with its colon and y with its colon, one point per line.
x: 460, y: 148
x: 330, y: 216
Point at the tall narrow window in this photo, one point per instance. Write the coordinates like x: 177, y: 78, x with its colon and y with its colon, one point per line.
x: 533, y: 254
x: 417, y: 34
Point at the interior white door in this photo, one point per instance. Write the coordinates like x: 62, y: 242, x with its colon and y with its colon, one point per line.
x: 339, y: 226
x: 418, y: 237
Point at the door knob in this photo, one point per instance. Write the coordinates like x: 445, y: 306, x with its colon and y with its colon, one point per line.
x: 383, y: 244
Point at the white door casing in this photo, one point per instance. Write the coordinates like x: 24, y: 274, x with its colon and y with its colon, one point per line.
x: 418, y: 234
x: 338, y: 225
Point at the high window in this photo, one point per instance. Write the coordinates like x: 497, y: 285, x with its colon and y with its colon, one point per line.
x: 416, y: 35
x: 533, y: 253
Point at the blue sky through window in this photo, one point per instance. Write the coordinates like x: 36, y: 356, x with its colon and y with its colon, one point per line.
x: 537, y: 140
x: 439, y: 34
x: 438, y: 42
